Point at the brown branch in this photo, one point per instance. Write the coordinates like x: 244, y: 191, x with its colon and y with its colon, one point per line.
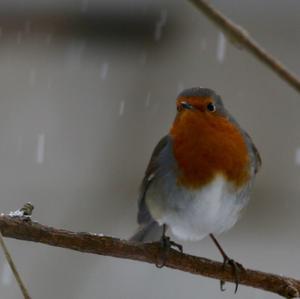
x: 18, y: 228
x: 242, y: 37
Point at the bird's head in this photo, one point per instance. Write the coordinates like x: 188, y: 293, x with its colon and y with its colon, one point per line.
x: 207, y: 140
x: 202, y: 101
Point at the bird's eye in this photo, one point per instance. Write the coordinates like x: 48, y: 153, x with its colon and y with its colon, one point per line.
x: 211, y: 107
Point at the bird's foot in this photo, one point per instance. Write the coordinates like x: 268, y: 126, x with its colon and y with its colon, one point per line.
x: 166, y: 244
x: 236, y: 270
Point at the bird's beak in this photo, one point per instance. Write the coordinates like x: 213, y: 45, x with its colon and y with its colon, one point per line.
x: 186, y: 105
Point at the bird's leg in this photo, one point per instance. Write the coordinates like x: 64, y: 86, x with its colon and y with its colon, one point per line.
x: 166, y: 243
x: 236, y: 267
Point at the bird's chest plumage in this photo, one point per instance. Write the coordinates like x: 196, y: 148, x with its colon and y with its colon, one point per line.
x: 204, y: 179
x: 213, y: 209
x: 203, y: 148
x: 193, y: 214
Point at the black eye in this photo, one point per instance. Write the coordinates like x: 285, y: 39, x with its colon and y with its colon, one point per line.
x: 211, y: 107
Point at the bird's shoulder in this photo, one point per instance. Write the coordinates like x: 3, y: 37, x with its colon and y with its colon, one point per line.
x: 154, y: 160
x: 150, y: 175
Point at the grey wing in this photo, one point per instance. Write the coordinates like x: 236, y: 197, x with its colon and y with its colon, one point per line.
x: 258, y: 161
x: 255, y: 156
x: 144, y: 215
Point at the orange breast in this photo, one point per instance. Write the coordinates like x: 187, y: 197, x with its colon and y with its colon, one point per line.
x: 205, y: 145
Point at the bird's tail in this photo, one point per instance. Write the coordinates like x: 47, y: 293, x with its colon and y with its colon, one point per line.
x: 149, y: 232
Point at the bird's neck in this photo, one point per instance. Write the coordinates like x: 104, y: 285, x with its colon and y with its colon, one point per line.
x: 205, y: 147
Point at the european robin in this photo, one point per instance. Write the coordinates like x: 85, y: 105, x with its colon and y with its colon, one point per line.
x: 200, y: 174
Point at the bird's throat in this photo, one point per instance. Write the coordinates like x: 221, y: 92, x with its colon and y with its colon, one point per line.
x: 205, y: 146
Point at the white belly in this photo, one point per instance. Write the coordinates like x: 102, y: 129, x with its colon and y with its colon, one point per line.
x: 192, y: 215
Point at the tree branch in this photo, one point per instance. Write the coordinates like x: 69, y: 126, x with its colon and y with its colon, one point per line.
x: 242, y: 37
x: 13, y: 268
x: 18, y: 228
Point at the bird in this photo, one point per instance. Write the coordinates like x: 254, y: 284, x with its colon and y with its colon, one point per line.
x: 199, y: 176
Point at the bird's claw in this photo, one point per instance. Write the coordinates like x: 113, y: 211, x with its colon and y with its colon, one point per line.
x: 236, y: 269
x: 166, y: 244
x: 222, y: 283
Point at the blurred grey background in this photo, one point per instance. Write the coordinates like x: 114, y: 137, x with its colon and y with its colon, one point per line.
x: 88, y: 87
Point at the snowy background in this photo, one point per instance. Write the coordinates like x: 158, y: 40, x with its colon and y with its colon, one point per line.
x: 87, y: 88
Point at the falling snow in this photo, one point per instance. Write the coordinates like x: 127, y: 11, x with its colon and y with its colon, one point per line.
x: 104, y: 70
x: 148, y: 99
x: 221, y: 47
x: 160, y: 24
x: 121, y: 108
x: 180, y: 87
x: 73, y: 56
x: 297, y: 156
x: 40, y: 152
